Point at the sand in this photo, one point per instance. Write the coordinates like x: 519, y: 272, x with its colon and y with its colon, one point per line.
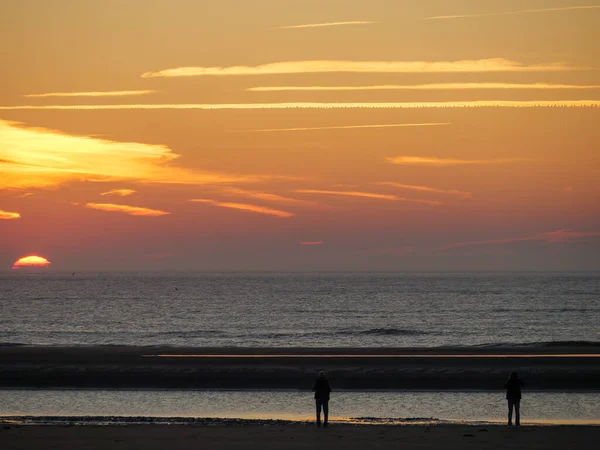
x: 249, y: 437
x: 480, y: 368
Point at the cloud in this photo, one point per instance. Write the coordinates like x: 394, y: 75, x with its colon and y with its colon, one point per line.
x: 25, y: 195
x: 319, y: 105
x: 328, y: 24
x: 552, y: 237
x: 265, y: 196
x: 507, y: 13
x: 246, y: 207
x: 425, y: 87
x: 119, y: 192
x: 38, y: 157
x: 337, y: 66
x: 5, y: 215
x: 366, y: 195
x: 347, y: 127
x: 126, y: 209
x: 417, y: 160
x: 567, y: 235
x: 91, y: 94
x: 426, y: 189
x: 312, y: 243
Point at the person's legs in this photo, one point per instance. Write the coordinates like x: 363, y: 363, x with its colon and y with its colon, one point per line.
x: 517, y: 412
x: 318, y: 404
x: 325, y: 412
x: 510, y: 408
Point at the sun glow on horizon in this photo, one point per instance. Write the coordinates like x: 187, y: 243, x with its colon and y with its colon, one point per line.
x: 31, y: 261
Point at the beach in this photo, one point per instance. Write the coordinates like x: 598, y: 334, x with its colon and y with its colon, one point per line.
x: 545, y: 367
x: 296, y: 436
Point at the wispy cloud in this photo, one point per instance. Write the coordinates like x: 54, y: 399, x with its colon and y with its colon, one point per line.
x: 418, y: 160
x: 38, y: 157
x: 312, y: 243
x: 331, y: 66
x: 551, y: 237
x: 119, y: 192
x: 25, y: 195
x: 366, y: 195
x: 328, y: 24
x: 519, y: 11
x: 265, y: 196
x: 126, y: 209
x: 246, y: 207
x: 426, y: 189
x: 426, y: 87
x: 5, y: 215
x: 320, y: 105
x: 91, y: 94
x: 346, y: 127
x: 347, y: 194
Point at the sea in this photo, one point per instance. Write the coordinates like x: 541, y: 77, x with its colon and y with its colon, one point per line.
x: 348, y: 310
x: 299, y: 309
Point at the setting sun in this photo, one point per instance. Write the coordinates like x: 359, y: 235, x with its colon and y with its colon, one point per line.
x: 31, y: 261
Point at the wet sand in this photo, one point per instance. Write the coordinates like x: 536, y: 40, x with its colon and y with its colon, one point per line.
x: 297, y: 436
x: 480, y: 368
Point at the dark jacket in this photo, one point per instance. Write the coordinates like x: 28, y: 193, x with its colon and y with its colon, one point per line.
x: 513, y: 389
x: 322, y: 389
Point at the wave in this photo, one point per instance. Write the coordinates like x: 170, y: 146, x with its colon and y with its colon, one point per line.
x: 545, y: 310
x: 388, y: 332
x: 570, y: 344
x: 343, y: 332
x: 530, y: 345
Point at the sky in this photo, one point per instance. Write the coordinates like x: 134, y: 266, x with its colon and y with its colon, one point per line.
x: 440, y: 135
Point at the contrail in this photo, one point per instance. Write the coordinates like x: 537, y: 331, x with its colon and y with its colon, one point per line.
x: 507, y: 13
x: 346, y: 127
x: 328, y: 24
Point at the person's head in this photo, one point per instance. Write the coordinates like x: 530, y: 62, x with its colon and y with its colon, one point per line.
x: 513, y: 376
x: 321, y: 374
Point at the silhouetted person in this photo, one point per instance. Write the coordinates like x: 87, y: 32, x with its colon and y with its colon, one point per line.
x: 513, y: 395
x: 322, y: 389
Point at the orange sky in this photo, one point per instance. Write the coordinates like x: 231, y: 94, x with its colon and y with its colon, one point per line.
x: 434, y: 135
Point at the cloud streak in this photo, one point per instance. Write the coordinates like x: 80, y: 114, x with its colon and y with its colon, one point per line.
x: 328, y: 24
x: 508, y: 13
x: 119, y: 192
x: 426, y: 189
x: 91, y: 94
x: 126, y: 209
x: 346, y: 127
x: 246, y: 207
x: 312, y: 242
x: 38, y: 157
x: 317, y: 105
x: 338, y: 66
x: 417, y: 160
x: 6, y: 215
x: 266, y: 196
x: 425, y: 87
x: 551, y: 237
x: 366, y: 195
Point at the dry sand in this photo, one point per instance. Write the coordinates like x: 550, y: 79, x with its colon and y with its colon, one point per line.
x: 249, y: 437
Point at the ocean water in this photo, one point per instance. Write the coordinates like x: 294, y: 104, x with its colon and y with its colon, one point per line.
x: 376, y: 407
x: 299, y: 309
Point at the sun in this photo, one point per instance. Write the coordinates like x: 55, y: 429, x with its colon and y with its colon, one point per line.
x: 31, y: 261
